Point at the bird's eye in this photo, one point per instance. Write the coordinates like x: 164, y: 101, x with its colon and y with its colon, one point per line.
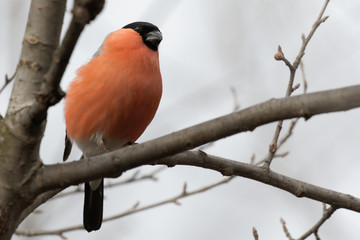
x: 137, y: 29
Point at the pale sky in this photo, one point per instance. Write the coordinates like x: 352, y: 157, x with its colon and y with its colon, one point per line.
x: 210, y: 46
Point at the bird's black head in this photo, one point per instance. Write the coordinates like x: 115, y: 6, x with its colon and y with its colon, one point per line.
x: 150, y: 33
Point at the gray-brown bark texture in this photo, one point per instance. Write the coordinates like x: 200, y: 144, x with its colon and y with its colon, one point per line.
x: 36, y: 87
x: 20, y: 135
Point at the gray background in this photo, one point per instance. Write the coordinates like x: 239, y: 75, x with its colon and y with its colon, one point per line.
x: 210, y: 46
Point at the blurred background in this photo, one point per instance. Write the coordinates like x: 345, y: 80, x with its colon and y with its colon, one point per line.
x: 210, y: 47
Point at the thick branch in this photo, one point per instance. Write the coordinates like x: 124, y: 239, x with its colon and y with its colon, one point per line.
x: 40, y: 41
x: 113, y: 163
x: 19, y: 137
x: 50, y: 92
x: 296, y: 187
x: 35, y: 88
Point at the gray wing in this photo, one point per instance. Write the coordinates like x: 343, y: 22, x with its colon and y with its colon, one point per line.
x: 98, y: 52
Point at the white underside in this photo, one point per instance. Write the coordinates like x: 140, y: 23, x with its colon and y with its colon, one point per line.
x: 97, y: 145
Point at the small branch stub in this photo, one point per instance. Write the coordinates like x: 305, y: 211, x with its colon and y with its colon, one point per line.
x: 273, y: 147
x: 286, y: 231
x: 279, y: 56
x: 255, y: 233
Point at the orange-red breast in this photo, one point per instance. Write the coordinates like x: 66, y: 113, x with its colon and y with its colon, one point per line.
x: 113, y: 99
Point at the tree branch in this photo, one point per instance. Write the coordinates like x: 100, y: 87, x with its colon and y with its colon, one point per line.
x: 255, y: 233
x: 286, y: 231
x: 40, y: 41
x: 134, y: 209
x: 233, y: 168
x: 20, y: 139
x: 37, y: 202
x: 320, y: 19
x: 290, y: 89
x: 136, y: 177
x: 50, y: 93
x: 114, y: 163
x: 7, y: 80
x: 327, y: 212
x: 36, y: 83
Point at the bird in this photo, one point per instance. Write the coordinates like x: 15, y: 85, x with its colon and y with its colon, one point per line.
x: 112, y: 100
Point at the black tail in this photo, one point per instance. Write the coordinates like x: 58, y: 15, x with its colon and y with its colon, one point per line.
x: 93, y: 207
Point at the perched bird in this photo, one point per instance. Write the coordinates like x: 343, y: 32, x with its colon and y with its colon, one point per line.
x: 112, y: 100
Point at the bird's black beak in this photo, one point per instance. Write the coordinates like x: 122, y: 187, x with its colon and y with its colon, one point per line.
x: 153, y: 39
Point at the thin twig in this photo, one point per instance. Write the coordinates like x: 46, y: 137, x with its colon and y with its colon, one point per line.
x: 281, y: 155
x: 295, y: 87
x: 133, y: 178
x: 320, y: 19
x: 255, y: 234
x: 280, y: 56
x: 289, y: 132
x: 327, y: 212
x: 184, y: 193
x: 281, y: 143
x: 134, y: 209
x: 236, y: 99
x: 252, y: 159
x: 8, y: 80
x: 302, y: 69
x: 77, y: 189
x: 286, y: 231
x: 292, y: 124
x: 292, y: 67
x: 236, y: 108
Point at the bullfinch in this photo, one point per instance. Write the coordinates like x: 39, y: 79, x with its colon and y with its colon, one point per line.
x: 111, y: 101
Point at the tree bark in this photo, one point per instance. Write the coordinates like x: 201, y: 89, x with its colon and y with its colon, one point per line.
x: 20, y: 137
x: 114, y: 163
